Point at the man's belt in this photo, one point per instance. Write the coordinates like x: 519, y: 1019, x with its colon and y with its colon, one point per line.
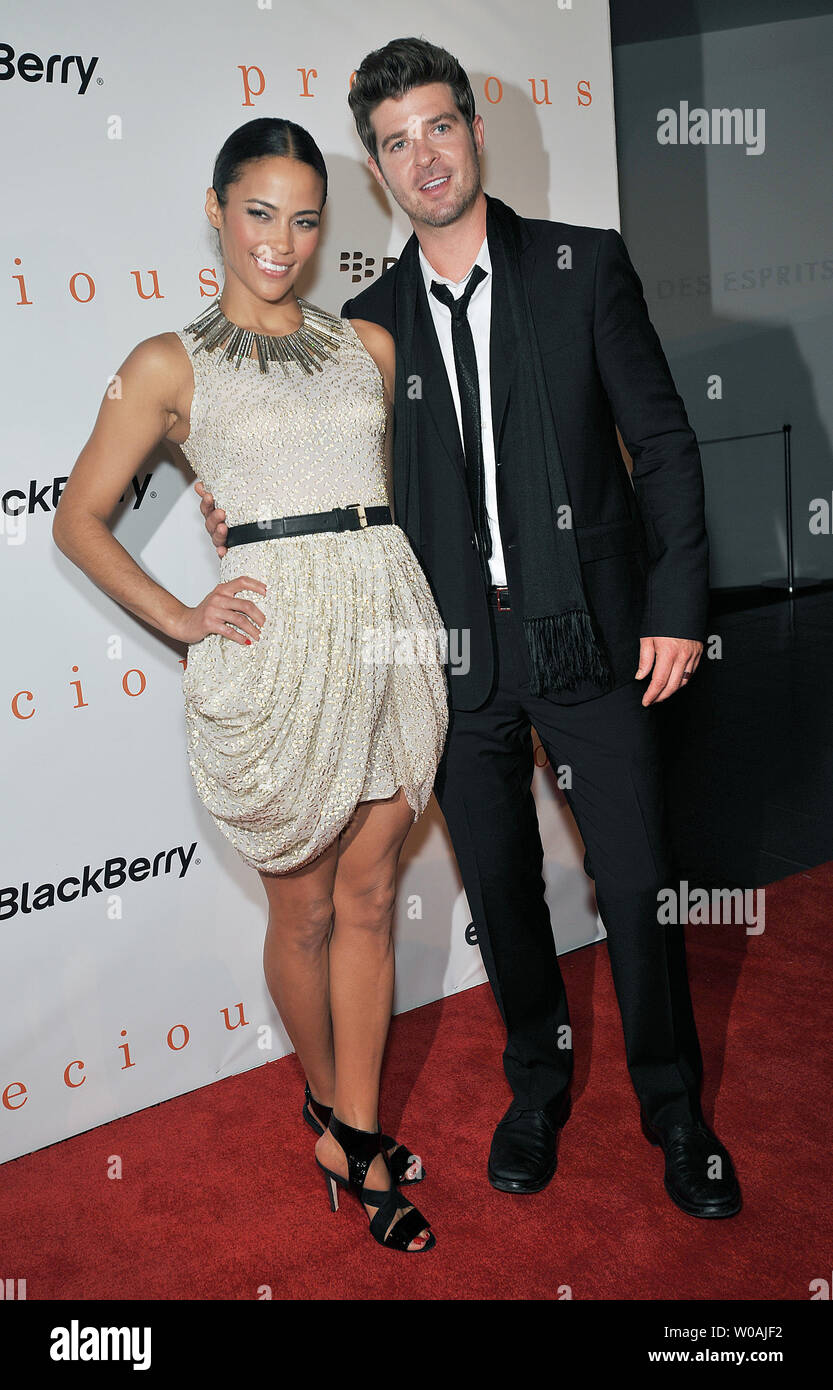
x: 352, y: 518
x: 499, y: 597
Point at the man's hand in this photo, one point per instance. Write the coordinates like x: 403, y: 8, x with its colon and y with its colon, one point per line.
x: 672, y: 658
x: 215, y: 519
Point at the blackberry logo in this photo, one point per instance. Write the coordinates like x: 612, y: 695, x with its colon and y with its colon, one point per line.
x: 361, y: 267
x: 45, y: 497
x: 31, y: 68
x: 113, y: 873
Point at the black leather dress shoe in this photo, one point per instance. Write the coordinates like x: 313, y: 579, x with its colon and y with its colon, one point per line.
x: 524, y: 1155
x: 690, y: 1150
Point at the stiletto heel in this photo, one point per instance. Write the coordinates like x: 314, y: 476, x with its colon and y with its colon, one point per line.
x: 332, y: 1190
x: 405, y: 1167
x: 360, y: 1148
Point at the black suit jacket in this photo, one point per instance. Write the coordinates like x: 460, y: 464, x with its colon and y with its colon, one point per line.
x: 642, y: 543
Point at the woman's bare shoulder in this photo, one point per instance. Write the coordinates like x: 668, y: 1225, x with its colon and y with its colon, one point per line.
x: 160, y: 367
x: 161, y: 355
x: 379, y: 343
x: 371, y: 332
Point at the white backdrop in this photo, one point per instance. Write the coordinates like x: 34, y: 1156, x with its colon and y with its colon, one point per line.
x: 143, y: 979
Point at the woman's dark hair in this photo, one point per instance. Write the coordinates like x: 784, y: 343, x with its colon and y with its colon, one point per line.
x: 266, y: 135
x: 395, y: 69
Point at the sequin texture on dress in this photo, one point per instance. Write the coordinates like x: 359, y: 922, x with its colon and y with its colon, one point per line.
x: 344, y: 698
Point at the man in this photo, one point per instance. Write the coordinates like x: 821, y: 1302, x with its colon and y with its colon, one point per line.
x: 521, y: 345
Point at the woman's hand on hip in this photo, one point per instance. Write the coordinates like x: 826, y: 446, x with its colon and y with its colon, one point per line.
x: 222, y: 612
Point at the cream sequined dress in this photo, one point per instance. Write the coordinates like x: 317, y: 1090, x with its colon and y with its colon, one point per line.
x: 344, y: 697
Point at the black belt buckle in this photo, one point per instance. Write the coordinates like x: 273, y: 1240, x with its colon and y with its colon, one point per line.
x: 502, y: 589
x: 359, y: 508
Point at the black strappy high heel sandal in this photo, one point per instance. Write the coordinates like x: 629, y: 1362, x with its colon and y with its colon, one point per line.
x: 405, y: 1167
x: 361, y: 1147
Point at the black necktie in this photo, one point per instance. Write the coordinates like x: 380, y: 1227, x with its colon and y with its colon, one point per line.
x: 465, y: 362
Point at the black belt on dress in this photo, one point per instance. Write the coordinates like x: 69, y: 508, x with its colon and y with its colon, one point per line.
x: 352, y: 518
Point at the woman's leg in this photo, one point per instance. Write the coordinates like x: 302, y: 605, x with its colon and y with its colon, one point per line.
x: 361, y: 952
x: 361, y: 971
x: 296, y: 964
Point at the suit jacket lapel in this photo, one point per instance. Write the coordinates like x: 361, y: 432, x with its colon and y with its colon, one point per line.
x: 503, y: 340
x: 418, y: 353
x: 436, y: 392
x: 421, y: 335
x: 503, y: 356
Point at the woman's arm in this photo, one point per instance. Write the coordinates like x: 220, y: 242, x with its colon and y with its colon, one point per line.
x: 155, y: 384
x: 382, y: 349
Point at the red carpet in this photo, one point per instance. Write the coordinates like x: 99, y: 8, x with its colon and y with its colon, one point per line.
x: 220, y: 1195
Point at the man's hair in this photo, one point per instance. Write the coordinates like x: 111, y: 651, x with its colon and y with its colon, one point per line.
x: 393, y: 70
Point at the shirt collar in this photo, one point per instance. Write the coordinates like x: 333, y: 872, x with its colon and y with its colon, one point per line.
x: 428, y: 273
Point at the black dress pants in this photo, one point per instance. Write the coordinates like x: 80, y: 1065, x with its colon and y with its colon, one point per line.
x: 484, y: 789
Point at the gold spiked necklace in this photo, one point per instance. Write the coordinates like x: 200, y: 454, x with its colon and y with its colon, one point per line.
x: 317, y: 339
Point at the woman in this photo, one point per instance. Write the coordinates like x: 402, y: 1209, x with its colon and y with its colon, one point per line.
x: 313, y: 756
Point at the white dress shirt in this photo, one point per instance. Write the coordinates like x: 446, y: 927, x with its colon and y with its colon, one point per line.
x: 479, y: 315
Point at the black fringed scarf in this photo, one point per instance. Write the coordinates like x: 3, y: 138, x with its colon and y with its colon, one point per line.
x: 563, y: 648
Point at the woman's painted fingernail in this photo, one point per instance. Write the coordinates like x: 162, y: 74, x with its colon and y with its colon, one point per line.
x: 248, y: 641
